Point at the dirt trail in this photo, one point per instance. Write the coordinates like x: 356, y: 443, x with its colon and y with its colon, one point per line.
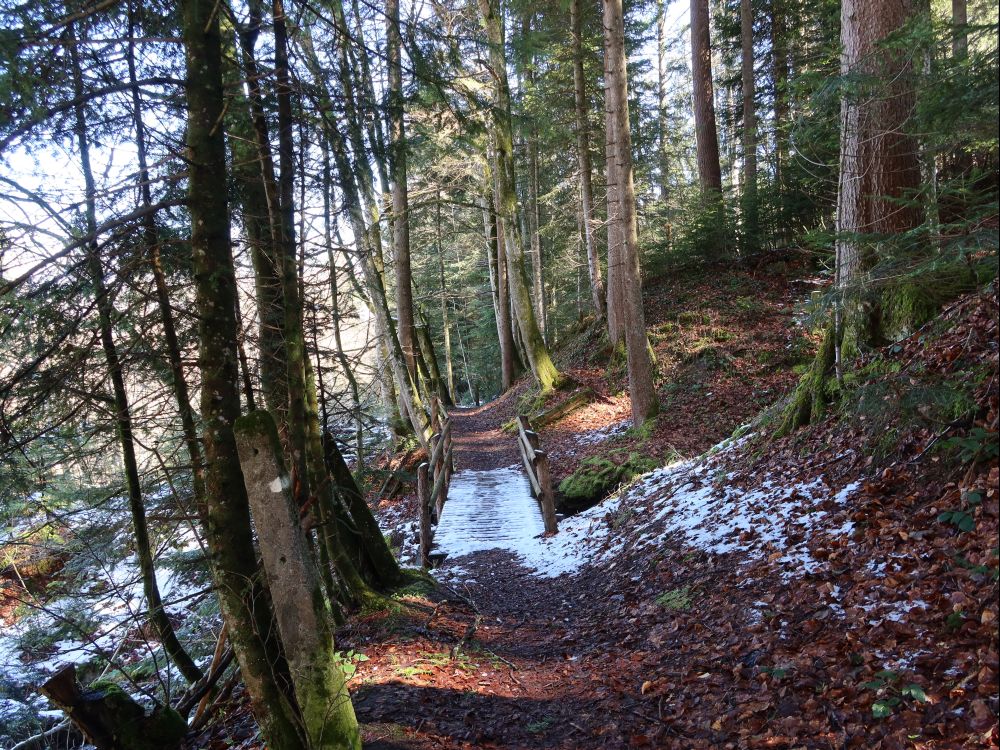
x: 500, y: 661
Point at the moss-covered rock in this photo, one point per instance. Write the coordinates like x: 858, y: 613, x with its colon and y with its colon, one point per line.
x: 598, y: 477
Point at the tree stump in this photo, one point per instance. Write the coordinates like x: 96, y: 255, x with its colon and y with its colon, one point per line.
x: 110, y: 719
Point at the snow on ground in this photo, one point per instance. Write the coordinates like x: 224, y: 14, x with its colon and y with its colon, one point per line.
x: 695, y: 501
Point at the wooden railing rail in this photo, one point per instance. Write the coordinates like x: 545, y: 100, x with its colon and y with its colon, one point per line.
x: 536, y: 464
x: 434, y: 477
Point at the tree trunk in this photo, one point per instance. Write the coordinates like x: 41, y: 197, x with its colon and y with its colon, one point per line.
x: 123, y: 417
x: 245, y: 604
x: 583, y: 156
x: 750, y: 208
x: 661, y: 99
x: 539, y: 359
x: 879, y: 162
x: 615, y: 290
x: 328, y: 720
x: 642, y: 390
x: 779, y: 75
x: 400, y: 199
x: 959, y: 22
x: 709, y: 168
x: 294, y: 333
x: 445, y: 326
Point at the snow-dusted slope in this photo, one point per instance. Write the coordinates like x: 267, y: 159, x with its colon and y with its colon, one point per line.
x: 691, y: 502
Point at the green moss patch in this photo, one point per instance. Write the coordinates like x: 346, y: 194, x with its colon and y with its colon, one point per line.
x: 598, y: 477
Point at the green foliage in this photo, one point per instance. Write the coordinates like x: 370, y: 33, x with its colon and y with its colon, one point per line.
x: 976, y: 446
x: 348, y: 662
x: 678, y: 599
x: 890, y: 694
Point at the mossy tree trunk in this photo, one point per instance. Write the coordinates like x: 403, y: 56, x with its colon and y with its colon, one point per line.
x: 536, y: 352
x: 246, y: 607
x: 879, y: 176
x: 304, y: 622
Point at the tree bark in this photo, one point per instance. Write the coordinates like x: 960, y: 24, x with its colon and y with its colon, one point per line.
x: 642, y: 390
x: 245, y: 605
x: 539, y: 359
x: 328, y: 720
x: 597, y: 296
x: 706, y: 134
x: 750, y: 207
x: 663, y: 152
x: 400, y: 198
x: 959, y: 22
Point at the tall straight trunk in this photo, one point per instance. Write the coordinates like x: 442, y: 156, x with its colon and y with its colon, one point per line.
x: 445, y: 326
x: 123, y: 416
x: 294, y: 334
x: 537, y: 271
x: 400, y: 198
x: 539, y: 359
x: 706, y: 134
x: 750, y: 208
x: 642, y: 390
x: 779, y: 75
x: 245, y: 604
x: 508, y: 352
x: 879, y: 164
x: 661, y: 99
x: 615, y: 290
x: 959, y: 22
x: 583, y: 158
x: 262, y: 219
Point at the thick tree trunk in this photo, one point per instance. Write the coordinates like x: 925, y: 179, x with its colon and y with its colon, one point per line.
x: 642, y: 390
x: 400, y: 198
x: 328, y: 720
x: 539, y: 359
x: 616, y: 239
x: 245, y: 605
x: 879, y: 168
x: 583, y: 157
x: 709, y: 169
x: 749, y: 196
x: 123, y: 417
x: 879, y: 163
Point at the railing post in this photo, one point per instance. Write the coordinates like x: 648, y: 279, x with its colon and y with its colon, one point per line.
x: 547, y: 500
x: 423, y: 497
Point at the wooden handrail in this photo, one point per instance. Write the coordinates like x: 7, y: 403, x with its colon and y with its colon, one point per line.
x: 536, y: 465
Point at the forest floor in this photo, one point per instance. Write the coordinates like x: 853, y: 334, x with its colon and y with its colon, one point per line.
x: 817, y: 591
x: 836, y: 588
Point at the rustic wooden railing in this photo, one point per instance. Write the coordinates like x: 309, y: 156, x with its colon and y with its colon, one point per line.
x: 536, y: 464
x: 434, y: 477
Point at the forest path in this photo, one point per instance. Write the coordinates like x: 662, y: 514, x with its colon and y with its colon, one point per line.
x: 505, y: 658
